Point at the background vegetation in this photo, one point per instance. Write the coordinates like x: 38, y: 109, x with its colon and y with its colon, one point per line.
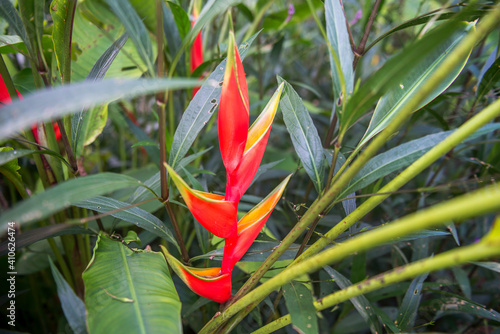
x: 389, y: 122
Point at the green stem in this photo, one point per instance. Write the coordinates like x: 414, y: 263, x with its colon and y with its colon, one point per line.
x: 480, y: 202
x: 462, y: 49
x: 488, y: 247
x: 467, y: 129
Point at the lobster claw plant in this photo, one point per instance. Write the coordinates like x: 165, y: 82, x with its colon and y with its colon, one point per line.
x: 389, y: 222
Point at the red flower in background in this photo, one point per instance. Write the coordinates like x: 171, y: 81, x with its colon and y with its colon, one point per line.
x: 196, y: 49
x: 242, y: 150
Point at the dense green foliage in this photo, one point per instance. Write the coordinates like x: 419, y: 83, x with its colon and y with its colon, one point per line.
x: 389, y: 121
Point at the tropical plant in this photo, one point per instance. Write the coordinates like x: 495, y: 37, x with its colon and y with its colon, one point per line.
x: 364, y: 197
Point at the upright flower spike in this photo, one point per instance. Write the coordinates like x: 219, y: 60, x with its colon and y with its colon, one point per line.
x: 212, y: 211
x: 249, y: 227
x: 239, y: 180
x: 233, y: 109
x: 207, y: 282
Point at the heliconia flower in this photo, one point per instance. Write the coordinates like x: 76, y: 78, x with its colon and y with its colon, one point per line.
x: 207, y: 282
x: 249, y: 227
x: 233, y: 110
x: 212, y: 211
x: 239, y: 180
x: 197, y: 48
x: 6, y: 99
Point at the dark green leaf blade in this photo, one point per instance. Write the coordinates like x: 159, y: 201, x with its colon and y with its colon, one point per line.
x: 341, y: 62
x: 399, y: 93
x: 299, y: 302
x: 411, y: 301
x: 361, y: 303
x: 65, y: 194
x: 9, y: 13
x: 73, y: 307
x: 129, y: 292
x: 402, y: 156
x: 134, y: 215
x: 200, y: 110
x: 489, y: 79
x: 135, y: 29
x: 303, y: 133
x: 50, y: 231
x: 392, y: 72
x: 48, y: 104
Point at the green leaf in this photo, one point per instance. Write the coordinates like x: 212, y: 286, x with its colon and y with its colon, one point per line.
x: 463, y: 281
x: 152, y: 150
x: 9, y: 13
x: 494, y: 266
x: 402, y: 156
x: 361, y: 303
x: 299, y: 302
x: 95, y: 28
x: 258, y: 252
x: 457, y: 304
x: 303, y: 133
x: 50, y: 231
x: 489, y: 79
x: 392, y: 72
x: 341, y: 60
x: 129, y: 291
x: 47, y: 104
x: 134, y: 215
x: 63, y: 195
x: 73, y: 307
x: 8, y: 160
x: 10, y: 155
x: 62, y: 12
x: 398, y: 94
x: 200, y: 109
x: 174, y: 21
x: 135, y: 29
x: 410, y: 304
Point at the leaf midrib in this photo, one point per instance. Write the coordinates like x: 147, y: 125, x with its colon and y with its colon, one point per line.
x: 133, y: 293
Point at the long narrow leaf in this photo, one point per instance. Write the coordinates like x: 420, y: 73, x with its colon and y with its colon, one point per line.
x: 9, y: 13
x: 136, y: 30
x: 304, y: 135
x: 63, y: 195
x: 48, y: 104
x: 402, y: 156
x: 398, y: 94
x: 134, y: 215
x: 361, y: 303
x: 411, y: 302
x: 341, y: 62
x: 73, y: 307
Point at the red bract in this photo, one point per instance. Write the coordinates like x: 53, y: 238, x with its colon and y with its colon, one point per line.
x: 212, y: 211
x: 6, y: 99
x: 207, y: 282
x: 242, y: 150
x: 239, y: 180
x: 233, y: 110
x: 249, y: 227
